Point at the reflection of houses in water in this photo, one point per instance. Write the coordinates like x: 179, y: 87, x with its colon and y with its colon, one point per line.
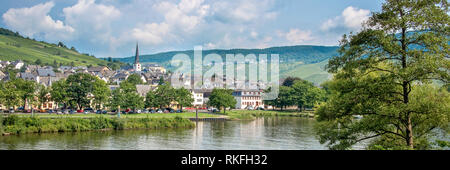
x: 197, y: 133
x: 253, y: 128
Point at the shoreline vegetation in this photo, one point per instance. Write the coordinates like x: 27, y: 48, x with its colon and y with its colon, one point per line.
x: 16, y: 124
x: 252, y: 114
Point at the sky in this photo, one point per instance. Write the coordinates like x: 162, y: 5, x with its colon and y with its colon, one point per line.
x: 111, y: 28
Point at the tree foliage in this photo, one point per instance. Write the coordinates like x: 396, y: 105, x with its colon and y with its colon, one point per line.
x: 222, y: 98
x: 383, y: 73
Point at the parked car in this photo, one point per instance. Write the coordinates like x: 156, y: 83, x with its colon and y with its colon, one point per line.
x: 101, y: 112
x: 260, y: 108
x: 152, y: 111
x: 21, y: 109
x: 250, y: 108
x: 180, y: 111
x: 89, y: 110
x: 80, y: 111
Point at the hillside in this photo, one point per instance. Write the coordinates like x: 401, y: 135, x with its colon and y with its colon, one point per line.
x: 14, y: 47
x: 306, y: 62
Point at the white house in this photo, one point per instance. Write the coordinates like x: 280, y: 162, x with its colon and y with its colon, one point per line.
x: 18, y: 64
x: 247, y: 98
x: 198, y: 97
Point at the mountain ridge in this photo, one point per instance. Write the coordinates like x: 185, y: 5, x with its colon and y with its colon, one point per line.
x: 303, y: 61
x: 14, y: 46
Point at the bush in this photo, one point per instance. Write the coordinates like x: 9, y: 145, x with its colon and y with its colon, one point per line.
x: 17, y: 125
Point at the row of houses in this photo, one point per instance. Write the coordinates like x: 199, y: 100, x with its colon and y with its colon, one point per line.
x: 46, y: 75
x: 151, y: 75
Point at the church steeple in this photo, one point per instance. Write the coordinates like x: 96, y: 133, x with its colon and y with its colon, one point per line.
x: 136, y: 58
x: 137, y: 66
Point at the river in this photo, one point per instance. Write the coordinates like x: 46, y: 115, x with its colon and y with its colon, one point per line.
x: 275, y: 133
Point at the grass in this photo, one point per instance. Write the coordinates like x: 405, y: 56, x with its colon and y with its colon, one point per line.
x: 252, y: 114
x: 14, y: 48
x: 14, y: 124
x: 141, y: 115
x: 311, y: 72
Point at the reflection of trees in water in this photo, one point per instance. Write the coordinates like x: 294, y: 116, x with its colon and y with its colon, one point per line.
x: 262, y: 133
x: 76, y: 140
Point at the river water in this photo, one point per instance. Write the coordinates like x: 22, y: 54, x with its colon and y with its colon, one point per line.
x: 276, y: 133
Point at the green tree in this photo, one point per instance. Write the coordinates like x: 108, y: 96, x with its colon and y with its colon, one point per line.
x: 289, y: 81
x: 43, y: 95
x: 380, y: 69
x: 305, y: 94
x: 59, y: 92
x: 38, y: 62
x: 285, y: 97
x: 10, y: 95
x: 26, y: 90
x: 165, y: 94
x: 161, y: 80
x: 116, y: 100
x: 134, y: 79
x: 183, y: 97
x: 132, y: 100
x: 151, y: 100
x: 222, y: 98
x: 79, y: 86
x: 101, y: 93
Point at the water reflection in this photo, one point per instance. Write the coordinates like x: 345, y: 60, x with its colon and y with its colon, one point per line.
x: 262, y: 133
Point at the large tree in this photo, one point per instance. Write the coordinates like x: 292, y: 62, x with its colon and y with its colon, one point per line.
x: 305, y: 94
x: 381, y: 70
x: 222, y: 98
x: 165, y: 95
x: 79, y: 87
x: 151, y: 100
x: 101, y: 93
x: 26, y: 89
x: 58, y: 92
x: 43, y: 95
x: 117, y: 99
x: 183, y: 97
x: 9, y: 95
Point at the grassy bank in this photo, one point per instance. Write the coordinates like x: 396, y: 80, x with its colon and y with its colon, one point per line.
x: 14, y: 124
x: 252, y: 114
x: 141, y: 115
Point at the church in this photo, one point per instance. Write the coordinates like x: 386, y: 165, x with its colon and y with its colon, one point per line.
x: 137, y: 66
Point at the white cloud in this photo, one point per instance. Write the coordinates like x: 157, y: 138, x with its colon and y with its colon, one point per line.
x: 254, y: 34
x: 297, y: 36
x: 151, y: 33
x: 243, y: 11
x: 90, y: 18
x: 350, y: 19
x: 35, y: 21
x: 179, y: 20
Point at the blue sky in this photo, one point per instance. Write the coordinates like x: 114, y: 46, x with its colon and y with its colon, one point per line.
x: 112, y: 27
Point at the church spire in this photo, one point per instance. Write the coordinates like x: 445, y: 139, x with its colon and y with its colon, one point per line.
x: 136, y: 59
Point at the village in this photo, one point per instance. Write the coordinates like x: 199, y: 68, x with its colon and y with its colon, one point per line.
x: 151, y: 75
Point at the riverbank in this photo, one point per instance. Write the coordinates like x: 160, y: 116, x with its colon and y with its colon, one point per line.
x: 140, y: 115
x: 14, y: 124
x: 252, y: 114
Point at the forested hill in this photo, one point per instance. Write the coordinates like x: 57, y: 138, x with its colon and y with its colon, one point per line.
x: 303, y: 53
x: 13, y: 46
x: 306, y: 62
